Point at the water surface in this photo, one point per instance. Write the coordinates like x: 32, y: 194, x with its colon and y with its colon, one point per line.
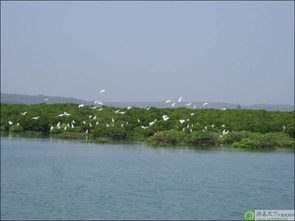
x: 60, y: 179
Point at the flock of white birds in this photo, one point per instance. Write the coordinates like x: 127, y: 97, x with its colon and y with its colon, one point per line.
x: 99, y: 104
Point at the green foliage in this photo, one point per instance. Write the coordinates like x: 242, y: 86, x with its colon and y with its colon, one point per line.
x: 276, y: 140
x: 203, y: 138
x: 247, y: 143
x: 198, y: 126
x: 168, y: 137
x: 235, y: 136
x: 15, y: 128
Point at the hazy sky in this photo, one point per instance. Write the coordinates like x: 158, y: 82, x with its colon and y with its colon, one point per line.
x: 239, y: 52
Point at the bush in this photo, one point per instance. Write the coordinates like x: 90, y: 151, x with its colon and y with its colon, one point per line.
x: 276, y: 140
x: 235, y: 136
x: 203, y: 138
x: 247, y: 143
x: 15, y: 128
x: 166, y: 137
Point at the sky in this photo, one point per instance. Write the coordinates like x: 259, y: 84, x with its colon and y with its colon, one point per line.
x: 235, y: 52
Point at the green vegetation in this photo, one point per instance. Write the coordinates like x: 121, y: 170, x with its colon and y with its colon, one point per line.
x: 240, y: 128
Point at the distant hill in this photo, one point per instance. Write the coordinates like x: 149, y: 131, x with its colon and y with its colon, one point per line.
x: 35, y: 99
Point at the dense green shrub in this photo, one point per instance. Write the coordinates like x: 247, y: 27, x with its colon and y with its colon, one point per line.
x: 166, y: 137
x: 15, y: 128
x: 276, y: 140
x: 235, y: 136
x: 247, y: 143
x: 202, y: 138
x: 196, y: 126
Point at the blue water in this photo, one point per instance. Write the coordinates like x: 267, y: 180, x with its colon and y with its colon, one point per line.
x: 59, y: 179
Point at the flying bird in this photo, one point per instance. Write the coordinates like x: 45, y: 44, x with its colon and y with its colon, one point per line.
x: 173, y: 104
x: 179, y: 99
x: 168, y: 101
x: 205, y: 104
x: 102, y: 91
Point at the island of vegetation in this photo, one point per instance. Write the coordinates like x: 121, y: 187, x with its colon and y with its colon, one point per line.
x: 156, y: 126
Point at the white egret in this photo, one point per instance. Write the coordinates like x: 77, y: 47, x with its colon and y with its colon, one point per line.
x: 24, y: 113
x: 151, y: 123
x: 102, y: 91
x: 96, y: 123
x: 100, y: 109
x: 195, y: 106
x: 36, y: 118
x: 122, y: 112
x: 128, y: 108
x: 148, y: 108
x: 81, y: 105
x: 192, y: 114
x: 168, y: 101
x: 165, y: 117
x: 205, y: 104
x: 17, y: 124
x: 179, y: 99
x: 51, y: 128
x: 143, y: 127
x: 10, y: 122
x: 84, y: 122
x: 188, y: 104
x: 138, y: 120
x: 99, y: 103
x: 58, y: 124
x: 86, y: 131
x: 173, y: 104
x: 181, y: 121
